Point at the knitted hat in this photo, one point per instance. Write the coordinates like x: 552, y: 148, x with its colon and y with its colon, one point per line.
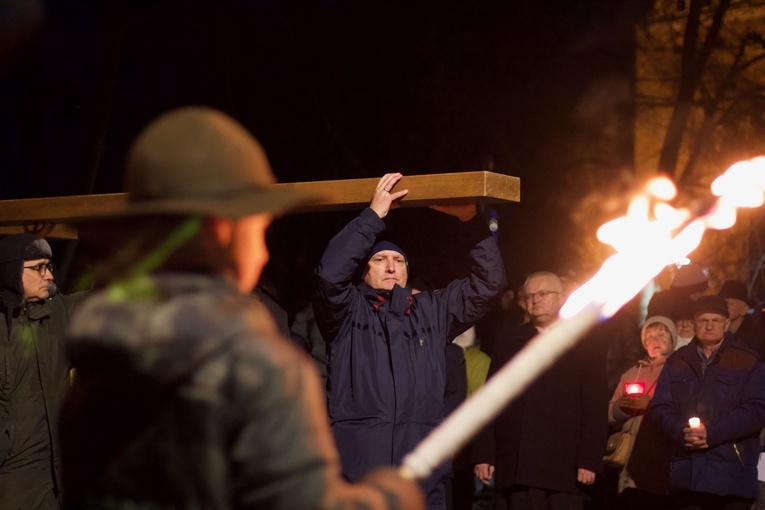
x: 38, y: 249
x: 734, y: 289
x: 710, y: 304
x: 669, y: 323
x: 690, y: 278
x: 385, y: 245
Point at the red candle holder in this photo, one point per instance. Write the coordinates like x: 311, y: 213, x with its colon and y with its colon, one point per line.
x: 634, y: 388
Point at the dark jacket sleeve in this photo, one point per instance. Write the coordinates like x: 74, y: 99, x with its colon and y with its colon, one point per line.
x: 338, y: 267
x: 469, y: 299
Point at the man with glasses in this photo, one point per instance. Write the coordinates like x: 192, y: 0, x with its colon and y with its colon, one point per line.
x: 719, y: 380
x: 548, y: 444
x: 34, y: 373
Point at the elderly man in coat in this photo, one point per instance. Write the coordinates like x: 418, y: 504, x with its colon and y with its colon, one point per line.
x: 719, y: 380
x: 548, y: 444
x: 385, y: 344
x: 34, y: 374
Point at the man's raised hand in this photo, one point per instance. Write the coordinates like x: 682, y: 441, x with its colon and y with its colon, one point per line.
x: 384, y: 198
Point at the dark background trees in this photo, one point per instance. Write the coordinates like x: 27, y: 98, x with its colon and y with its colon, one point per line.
x: 700, y: 107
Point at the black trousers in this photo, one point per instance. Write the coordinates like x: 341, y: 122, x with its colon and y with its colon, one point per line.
x: 705, y: 501
x: 636, y: 499
x: 530, y: 498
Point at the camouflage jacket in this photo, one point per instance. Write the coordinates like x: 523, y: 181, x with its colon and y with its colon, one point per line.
x: 187, y: 397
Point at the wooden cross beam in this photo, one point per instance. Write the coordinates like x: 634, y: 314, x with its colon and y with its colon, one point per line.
x: 424, y: 190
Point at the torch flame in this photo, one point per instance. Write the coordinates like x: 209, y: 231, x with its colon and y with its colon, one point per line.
x: 741, y: 185
x: 662, y: 187
x: 654, y: 234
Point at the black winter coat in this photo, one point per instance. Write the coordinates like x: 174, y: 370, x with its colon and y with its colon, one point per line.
x: 558, y: 425
x: 45, y: 323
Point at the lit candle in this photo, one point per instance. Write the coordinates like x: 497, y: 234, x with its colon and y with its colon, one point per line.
x: 634, y: 388
x: 694, y: 422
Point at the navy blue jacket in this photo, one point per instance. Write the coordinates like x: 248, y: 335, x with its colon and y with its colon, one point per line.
x: 386, y: 349
x: 730, y: 400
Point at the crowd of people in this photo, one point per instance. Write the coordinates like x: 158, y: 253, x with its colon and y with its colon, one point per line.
x: 171, y: 383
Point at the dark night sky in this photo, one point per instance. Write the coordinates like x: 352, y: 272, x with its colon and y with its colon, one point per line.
x: 337, y: 89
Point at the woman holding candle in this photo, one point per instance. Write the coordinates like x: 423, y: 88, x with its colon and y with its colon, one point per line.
x: 644, y: 480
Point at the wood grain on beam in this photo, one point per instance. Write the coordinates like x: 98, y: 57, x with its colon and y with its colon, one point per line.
x: 424, y: 190
x: 59, y: 231
x: 31, y: 211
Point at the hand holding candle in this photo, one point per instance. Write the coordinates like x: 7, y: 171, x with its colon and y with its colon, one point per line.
x: 695, y: 436
x: 634, y: 388
x: 634, y: 401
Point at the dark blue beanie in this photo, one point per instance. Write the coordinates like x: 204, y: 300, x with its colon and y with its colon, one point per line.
x: 385, y: 245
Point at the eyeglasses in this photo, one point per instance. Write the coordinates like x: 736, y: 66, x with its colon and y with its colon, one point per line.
x: 542, y: 294
x: 41, y: 268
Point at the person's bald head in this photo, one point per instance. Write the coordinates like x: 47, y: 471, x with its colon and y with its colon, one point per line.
x: 544, y: 297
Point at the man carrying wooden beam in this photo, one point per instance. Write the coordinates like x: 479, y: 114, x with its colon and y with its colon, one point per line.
x: 386, y: 344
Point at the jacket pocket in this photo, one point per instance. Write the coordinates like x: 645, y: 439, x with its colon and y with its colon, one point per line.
x: 683, y: 388
x: 727, y: 390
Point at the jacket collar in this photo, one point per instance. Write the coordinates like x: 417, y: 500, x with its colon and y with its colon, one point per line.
x: 39, y: 310
x: 34, y: 311
x: 399, y: 301
x: 690, y: 355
